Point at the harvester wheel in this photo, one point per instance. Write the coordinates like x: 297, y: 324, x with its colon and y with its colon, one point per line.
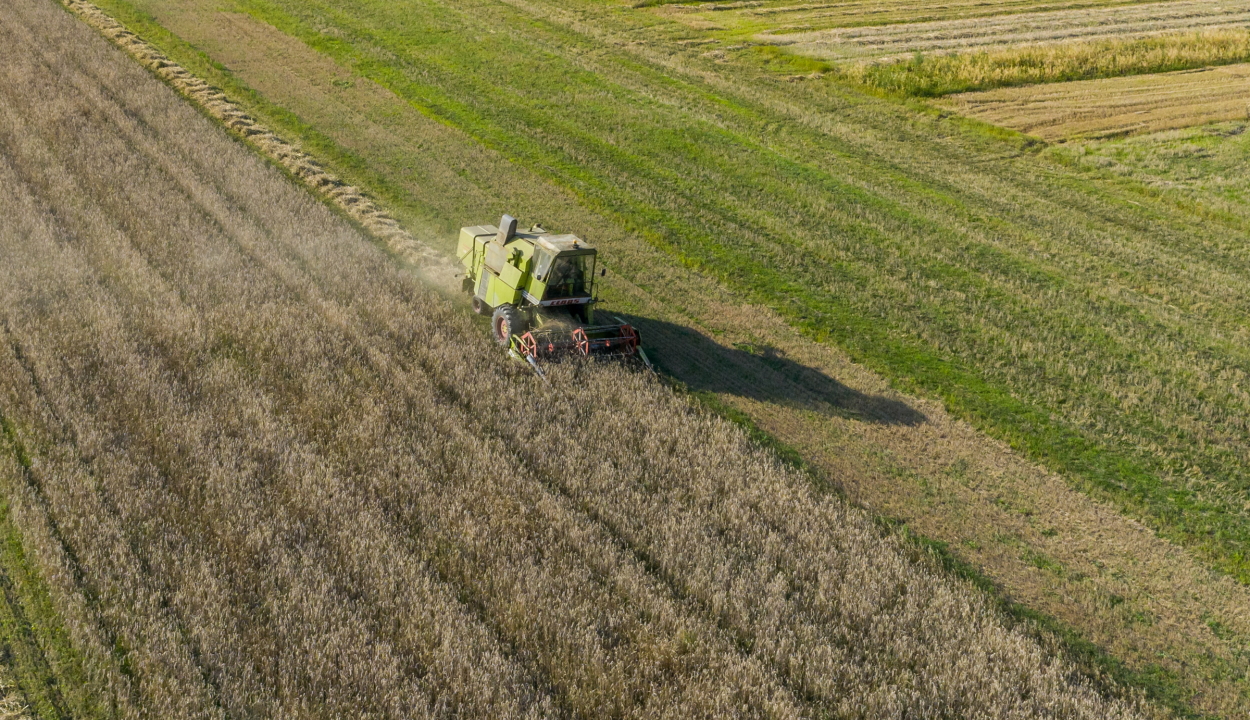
x: 507, y: 321
x: 480, y: 307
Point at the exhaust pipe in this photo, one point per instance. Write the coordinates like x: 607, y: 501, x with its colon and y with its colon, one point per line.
x: 507, y: 229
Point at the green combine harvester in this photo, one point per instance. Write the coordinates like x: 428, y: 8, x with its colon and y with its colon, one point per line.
x: 538, y: 289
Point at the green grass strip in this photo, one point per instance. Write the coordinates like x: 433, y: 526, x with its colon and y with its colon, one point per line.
x: 50, y: 673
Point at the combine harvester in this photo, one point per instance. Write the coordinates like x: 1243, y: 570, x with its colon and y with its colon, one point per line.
x: 538, y: 289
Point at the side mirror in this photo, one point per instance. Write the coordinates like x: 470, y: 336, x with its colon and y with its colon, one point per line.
x: 603, y: 272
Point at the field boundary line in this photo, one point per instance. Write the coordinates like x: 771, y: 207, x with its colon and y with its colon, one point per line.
x: 352, y: 201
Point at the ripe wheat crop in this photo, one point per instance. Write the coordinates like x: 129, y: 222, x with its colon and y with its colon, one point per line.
x: 1086, y: 25
x: 746, y: 17
x: 943, y: 57
x: 934, y: 75
x: 265, y: 472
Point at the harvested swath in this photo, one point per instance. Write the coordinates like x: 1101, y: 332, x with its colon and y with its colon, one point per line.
x: 347, y: 198
x: 1114, y: 106
x: 269, y: 474
x: 891, y: 42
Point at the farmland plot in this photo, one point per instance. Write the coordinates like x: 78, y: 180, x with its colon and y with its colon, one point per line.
x: 952, y: 56
x: 782, y: 16
x: 266, y: 473
x: 893, y: 465
x: 947, y: 257
x: 915, y: 56
x: 1111, y: 107
x: 581, y: 110
x: 901, y: 41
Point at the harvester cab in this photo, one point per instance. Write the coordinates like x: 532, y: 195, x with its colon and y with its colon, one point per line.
x: 538, y: 289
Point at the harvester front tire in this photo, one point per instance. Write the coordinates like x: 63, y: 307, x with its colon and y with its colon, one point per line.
x: 480, y: 307
x: 507, y: 322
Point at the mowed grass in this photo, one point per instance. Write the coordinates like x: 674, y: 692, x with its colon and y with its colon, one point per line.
x: 265, y: 472
x: 1089, y: 326
x: 1208, y: 164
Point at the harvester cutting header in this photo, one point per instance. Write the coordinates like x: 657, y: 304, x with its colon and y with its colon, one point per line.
x: 538, y: 289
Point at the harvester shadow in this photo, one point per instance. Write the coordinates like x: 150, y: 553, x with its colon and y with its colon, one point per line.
x: 763, y: 374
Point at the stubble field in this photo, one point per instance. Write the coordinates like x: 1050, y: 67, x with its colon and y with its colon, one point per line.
x: 1204, y: 164
x: 1114, y: 107
x: 264, y: 472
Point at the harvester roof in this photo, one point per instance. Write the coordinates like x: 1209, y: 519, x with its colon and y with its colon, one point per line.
x: 554, y: 244
x: 562, y: 243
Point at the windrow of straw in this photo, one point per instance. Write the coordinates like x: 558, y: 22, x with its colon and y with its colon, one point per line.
x: 350, y: 200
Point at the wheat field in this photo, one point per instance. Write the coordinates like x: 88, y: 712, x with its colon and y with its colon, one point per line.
x: 397, y: 139
x: 1154, y: 58
x: 938, y: 58
x: 265, y: 472
x: 975, y: 35
x: 745, y: 17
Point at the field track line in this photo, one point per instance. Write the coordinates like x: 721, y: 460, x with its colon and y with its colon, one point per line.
x: 349, y: 199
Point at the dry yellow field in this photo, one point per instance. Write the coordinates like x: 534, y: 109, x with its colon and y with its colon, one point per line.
x: 1114, y: 106
x: 966, y: 46
x: 790, y: 16
x: 886, y: 42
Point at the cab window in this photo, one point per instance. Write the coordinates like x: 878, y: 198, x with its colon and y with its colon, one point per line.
x: 571, y: 276
x: 542, y: 264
